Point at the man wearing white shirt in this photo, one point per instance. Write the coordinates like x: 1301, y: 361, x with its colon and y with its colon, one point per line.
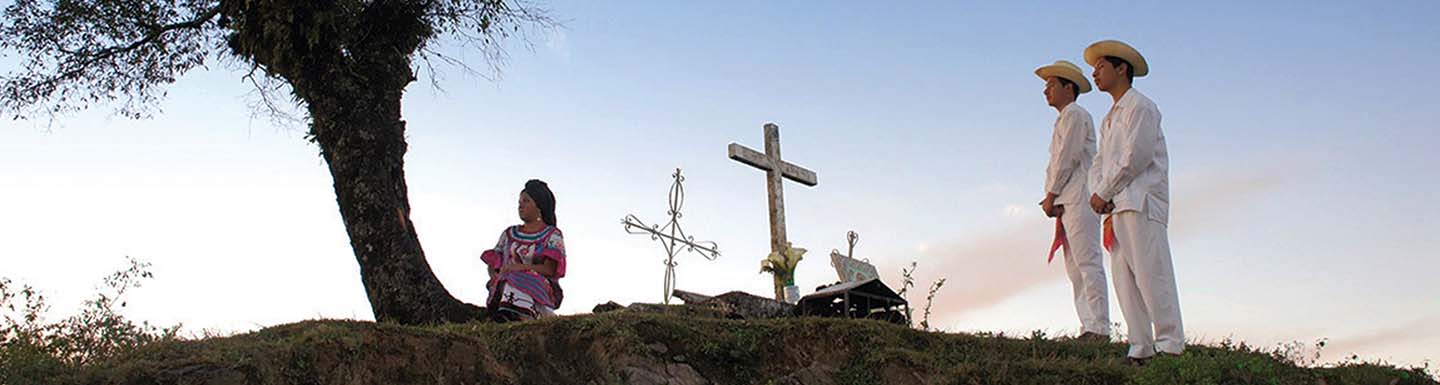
x: 1072, y: 146
x: 1130, y: 181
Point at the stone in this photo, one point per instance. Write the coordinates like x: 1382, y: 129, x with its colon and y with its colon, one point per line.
x: 606, y: 307
x: 817, y: 373
x: 683, y: 374
x: 662, y: 374
x: 647, y: 308
x: 739, y: 304
x: 643, y: 376
x: 689, y: 297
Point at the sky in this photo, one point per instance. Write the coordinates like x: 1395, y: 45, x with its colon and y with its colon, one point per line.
x: 1301, y: 175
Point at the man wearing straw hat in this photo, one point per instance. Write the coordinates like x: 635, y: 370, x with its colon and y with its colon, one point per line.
x: 1130, y: 181
x: 1077, y: 228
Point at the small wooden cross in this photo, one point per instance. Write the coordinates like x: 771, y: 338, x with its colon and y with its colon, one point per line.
x: 775, y: 168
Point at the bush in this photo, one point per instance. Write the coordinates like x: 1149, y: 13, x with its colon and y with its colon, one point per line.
x: 33, y: 351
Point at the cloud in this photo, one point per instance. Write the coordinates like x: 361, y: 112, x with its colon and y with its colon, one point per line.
x: 984, y: 269
x: 558, y: 42
x: 1205, y: 195
x: 987, y: 268
x: 1016, y: 211
x: 1413, y: 333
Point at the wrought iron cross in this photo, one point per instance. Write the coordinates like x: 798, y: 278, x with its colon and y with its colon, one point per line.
x: 671, y: 236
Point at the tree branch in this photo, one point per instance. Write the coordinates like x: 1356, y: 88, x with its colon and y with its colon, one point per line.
x: 62, y: 75
x: 112, y: 51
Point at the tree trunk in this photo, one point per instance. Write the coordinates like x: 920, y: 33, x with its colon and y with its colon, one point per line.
x: 355, y: 114
x: 362, y: 138
x: 350, y: 66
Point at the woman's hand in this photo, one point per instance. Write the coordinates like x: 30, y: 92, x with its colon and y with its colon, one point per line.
x: 546, y: 269
x: 514, y: 267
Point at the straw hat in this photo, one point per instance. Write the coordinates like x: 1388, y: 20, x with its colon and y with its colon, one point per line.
x: 1065, y: 70
x: 1118, y: 49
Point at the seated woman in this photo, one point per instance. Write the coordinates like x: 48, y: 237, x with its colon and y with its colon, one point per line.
x: 528, y: 261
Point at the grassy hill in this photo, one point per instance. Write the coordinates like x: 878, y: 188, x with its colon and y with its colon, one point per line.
x: 673, y: 348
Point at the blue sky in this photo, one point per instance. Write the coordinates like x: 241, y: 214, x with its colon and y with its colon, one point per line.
x: 1299, y: 138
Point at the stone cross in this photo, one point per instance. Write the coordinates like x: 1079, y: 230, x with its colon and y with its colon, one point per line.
x: 775, y: 168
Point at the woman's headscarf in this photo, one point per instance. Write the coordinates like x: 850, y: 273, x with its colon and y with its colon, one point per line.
x: 539, y: 192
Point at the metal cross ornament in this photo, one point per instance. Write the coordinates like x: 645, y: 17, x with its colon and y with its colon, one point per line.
x: 671, y: 236
x: 850, y: 268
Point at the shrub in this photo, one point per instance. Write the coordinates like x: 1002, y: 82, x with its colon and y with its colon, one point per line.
x: 33, y: 351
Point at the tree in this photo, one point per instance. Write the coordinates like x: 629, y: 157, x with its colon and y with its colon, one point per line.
x: 347, y: 62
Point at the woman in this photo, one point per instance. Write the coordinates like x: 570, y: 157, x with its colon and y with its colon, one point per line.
x: 528, y: 261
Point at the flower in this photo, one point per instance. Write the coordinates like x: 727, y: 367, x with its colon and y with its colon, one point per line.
x: 782, y: 264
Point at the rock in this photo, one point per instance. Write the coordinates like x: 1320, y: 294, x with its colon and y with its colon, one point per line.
x: 739, y: 304
x: 816, y: 374
x: 606, y: 307
x: 668, y: 374
x: 689, y: 297
x: 642, y: 376
x: 732, y: 305
x: 683, y: 374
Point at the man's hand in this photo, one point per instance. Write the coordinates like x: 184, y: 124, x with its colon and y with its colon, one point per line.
x: 1101, y: 206
x: 1048, y: 206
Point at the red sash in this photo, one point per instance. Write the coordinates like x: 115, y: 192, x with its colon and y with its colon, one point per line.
x: 1109, y: 240
x: 1060, y: 241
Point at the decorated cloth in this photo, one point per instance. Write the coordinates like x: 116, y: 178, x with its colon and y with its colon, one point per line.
x: 526, y: 291
x: 1109, y: 234
x: 1060, y: 241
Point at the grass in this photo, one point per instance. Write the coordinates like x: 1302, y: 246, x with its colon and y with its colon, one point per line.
x: 614, y: 347
x: 681, y: 343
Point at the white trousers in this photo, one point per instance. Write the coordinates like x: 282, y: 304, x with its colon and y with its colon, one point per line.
x: 1145, y: 285
x: 1086, y: 269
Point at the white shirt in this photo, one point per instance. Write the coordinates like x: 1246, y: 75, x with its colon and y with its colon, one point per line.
x: 1132, y: 168
x: 1072, y: 147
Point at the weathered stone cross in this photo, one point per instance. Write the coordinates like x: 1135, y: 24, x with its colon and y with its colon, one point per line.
x: 775, y: 168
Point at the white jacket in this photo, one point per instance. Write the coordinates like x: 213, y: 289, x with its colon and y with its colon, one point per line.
x: 1072, y: 148
x: 1132, y: 168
